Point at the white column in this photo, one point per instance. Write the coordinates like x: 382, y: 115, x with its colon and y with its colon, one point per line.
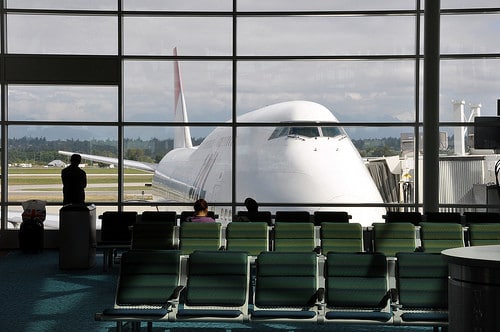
x: 459, y: 132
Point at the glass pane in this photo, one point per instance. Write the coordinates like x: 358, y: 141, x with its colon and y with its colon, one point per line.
x: 447, y: 4
x: 323, y: 170
x: 184, y: 174
x: 35, y: 164
x: 148, y: 144
x: 470, y: 33
x: 326, y: 35
x: 54, y: 34
x: 62, y: 4
x: 390, y: 156
x: 149, y: 90
x: 474, y: 81
x: 191, y: 35
x: 62, y: 103
x: 354, y: 91
x: 474, y: 167
x: 185, y: 5
x: 273, y: 5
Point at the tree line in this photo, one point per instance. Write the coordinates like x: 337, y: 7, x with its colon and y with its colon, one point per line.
x: 40, y: 151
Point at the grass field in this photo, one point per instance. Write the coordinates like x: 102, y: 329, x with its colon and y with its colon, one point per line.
x: 102, y: 184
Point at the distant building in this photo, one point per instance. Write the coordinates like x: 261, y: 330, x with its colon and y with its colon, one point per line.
x: 23, y: 165
x: 56, y: 163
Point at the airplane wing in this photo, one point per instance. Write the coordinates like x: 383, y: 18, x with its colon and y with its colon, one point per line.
x: 150, y: 167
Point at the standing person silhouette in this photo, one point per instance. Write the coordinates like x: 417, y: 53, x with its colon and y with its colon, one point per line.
x: 74, y: 181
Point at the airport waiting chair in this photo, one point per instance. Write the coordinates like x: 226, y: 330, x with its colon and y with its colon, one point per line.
x: 154, y: 235
x: 438, y: 236
x: 159, y: 216
x: 390, y: 238
x: 341, y: 237
x: 252, y: 237
x: 294, y: 237
x: 484, y: 234
x: 403, y: 217
x: 481, y: 217
x: 116, y: 233
x: 443, y: 217
x: 287, y: 287
x: 357, y: 288
x: 292, y: 216
x: 259, y: 216
x: 116, y: 226
x: 422, y: 289
x: 148, y: 288
x: 482, y: 228
x: 330, y: 217
x: 217, y: 287
x: 199, y: 236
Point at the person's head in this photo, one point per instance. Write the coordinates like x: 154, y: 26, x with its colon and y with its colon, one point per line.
x: 251, y: 205
x: 200, y: 207
x: 76, y: 159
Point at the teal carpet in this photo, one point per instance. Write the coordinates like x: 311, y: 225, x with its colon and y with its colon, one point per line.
x: 36, y: 296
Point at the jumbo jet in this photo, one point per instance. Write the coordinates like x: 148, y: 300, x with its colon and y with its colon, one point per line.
x: 300, y: 161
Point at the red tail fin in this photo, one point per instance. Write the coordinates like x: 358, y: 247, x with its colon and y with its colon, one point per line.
x: 182, y: 135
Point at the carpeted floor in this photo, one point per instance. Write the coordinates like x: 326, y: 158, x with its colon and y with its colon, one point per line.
x: 36, y: 296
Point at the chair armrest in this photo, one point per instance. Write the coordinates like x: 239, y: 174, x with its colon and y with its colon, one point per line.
x: 394, y: 296
x: 173, y: 300
x: 176, y: 293
x: 320, y: 294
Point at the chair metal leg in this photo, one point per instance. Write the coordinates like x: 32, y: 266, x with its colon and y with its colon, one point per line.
x: 136, y: 326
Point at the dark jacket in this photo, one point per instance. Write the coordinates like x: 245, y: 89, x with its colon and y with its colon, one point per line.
x: 74, y: 181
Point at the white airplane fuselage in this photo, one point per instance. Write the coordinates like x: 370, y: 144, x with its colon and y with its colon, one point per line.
x: 273, y: 166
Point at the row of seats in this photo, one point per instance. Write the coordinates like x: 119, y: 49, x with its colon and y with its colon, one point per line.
x: 159, y: 285
x: 304, y: 216
x: 256, y: 237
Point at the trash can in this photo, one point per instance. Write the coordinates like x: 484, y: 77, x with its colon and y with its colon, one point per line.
x: 77, y: 236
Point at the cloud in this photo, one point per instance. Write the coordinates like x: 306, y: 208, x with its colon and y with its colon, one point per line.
x: 353, y: 95
x: 368, y: 90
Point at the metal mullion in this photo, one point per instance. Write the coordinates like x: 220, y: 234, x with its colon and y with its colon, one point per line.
x: 120, y: 152
x: 417, y: 124
x: 3, y: 120
x: 89, y: 12
x: 167, y: 13
x: 234, y: 129
x: 312, y: 13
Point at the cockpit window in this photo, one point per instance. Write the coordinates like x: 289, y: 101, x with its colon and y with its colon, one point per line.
x: 279, y: 132
x: 307, y: 132
x: 331, y: 131
x: 304, y: 131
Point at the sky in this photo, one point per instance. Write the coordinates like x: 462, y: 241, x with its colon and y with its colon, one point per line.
x: 354, y: 90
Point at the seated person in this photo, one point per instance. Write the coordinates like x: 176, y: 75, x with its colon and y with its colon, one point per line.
x: 200, y: 212
x: 251, y: 205
x: 252, y: 210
